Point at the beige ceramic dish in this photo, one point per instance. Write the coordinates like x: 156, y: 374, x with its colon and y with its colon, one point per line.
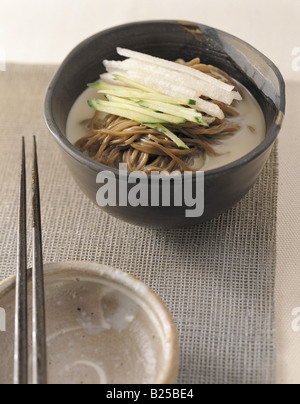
x: 103, y: 326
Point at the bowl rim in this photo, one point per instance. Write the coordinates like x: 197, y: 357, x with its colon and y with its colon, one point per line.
x: 170, y: 342
x: 70, y: 149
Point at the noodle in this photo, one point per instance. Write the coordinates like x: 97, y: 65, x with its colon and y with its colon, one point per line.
x: 114, y: 140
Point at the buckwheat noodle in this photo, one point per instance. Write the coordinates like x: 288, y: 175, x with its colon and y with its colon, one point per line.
x: 116, y: 140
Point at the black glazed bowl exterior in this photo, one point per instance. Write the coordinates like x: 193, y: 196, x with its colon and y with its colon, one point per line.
x: 224, y: 186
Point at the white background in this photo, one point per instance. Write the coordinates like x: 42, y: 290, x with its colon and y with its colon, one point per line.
x: 44, y: 31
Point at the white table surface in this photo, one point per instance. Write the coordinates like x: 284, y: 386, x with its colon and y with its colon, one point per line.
x: 44, y: 31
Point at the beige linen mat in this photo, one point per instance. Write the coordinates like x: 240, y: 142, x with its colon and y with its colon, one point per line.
x: 217, y: 279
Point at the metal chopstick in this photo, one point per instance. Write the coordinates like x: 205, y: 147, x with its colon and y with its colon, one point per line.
x: 21, y: 328
x: 39, y: 357
x: 39, y: 354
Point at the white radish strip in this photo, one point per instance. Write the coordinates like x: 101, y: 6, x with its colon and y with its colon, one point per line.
x: 173, y: 91
x: 173, y: 66
x: 169, y: 88
x: 115, y: 65
x: 160, y: 84
x: 109, y: 79
x: 210, y: 108
x: 176, y: 91
x: 203, y: 88
x: 237, y: 96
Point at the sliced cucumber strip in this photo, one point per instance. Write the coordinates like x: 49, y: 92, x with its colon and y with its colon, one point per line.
x: 189, y: 114
x: 171, y: 135
x: 133, y: 83
x: 142, y: 114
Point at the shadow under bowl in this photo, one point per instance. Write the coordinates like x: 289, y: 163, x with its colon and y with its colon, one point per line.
x: 224, y: 186
x: 103, y: 327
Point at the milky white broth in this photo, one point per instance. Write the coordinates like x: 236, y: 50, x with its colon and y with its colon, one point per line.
x: 251, y: 134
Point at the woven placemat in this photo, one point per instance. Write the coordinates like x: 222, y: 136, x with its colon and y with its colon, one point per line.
x: 217, y: 279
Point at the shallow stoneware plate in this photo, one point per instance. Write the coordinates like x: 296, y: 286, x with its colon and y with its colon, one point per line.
x: 103, y: 327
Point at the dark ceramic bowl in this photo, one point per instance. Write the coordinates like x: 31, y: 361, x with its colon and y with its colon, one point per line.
x: 224, y: 186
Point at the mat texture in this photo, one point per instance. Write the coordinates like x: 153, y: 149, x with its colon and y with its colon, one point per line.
x: 217, y: 279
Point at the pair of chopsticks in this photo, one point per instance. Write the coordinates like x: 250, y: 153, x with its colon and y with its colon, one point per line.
x: 21, y: 353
